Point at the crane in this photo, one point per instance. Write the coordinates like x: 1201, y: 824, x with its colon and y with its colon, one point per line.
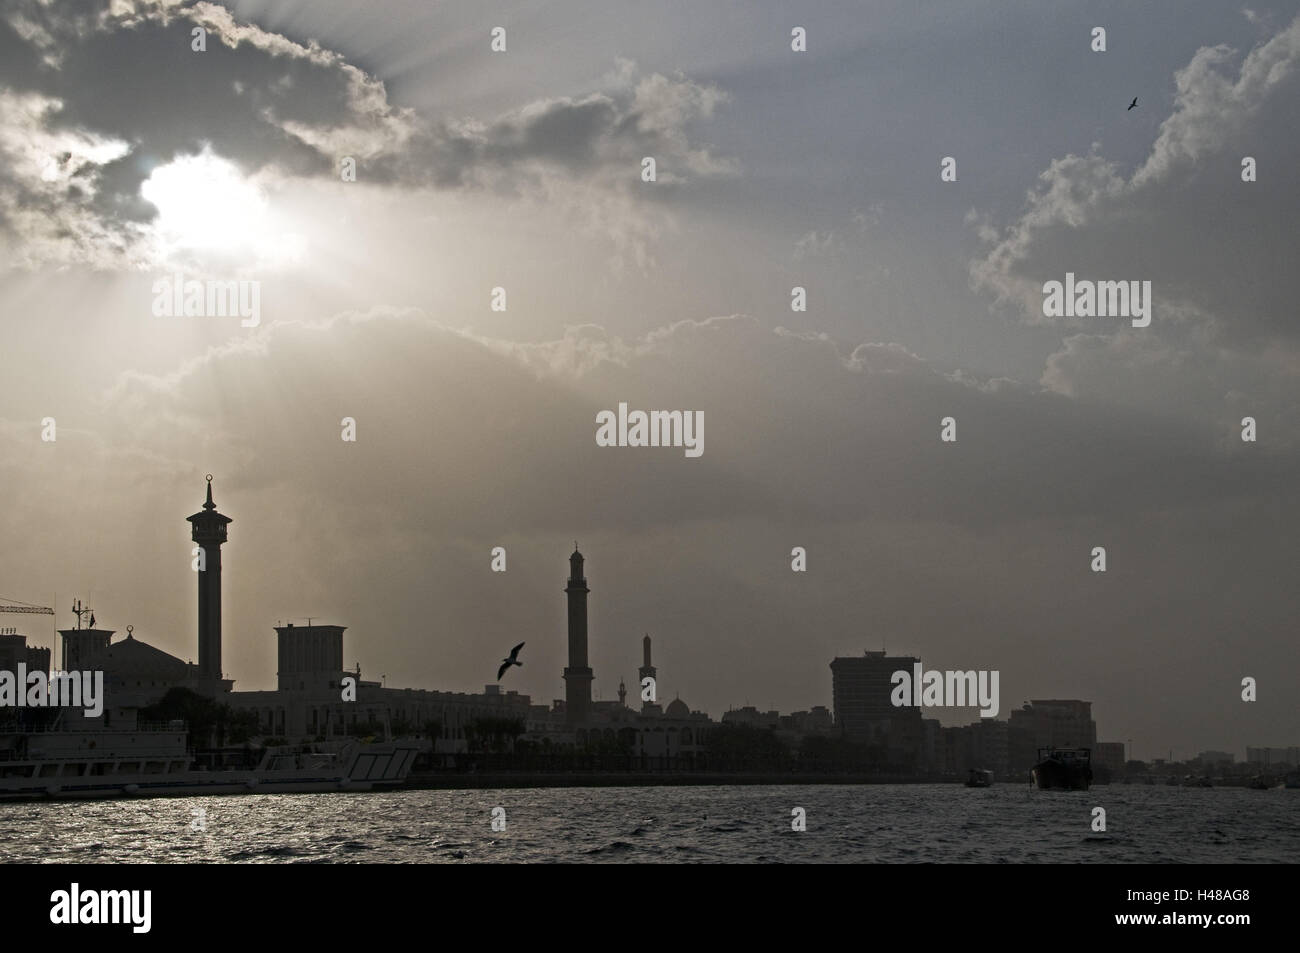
x: 17, y: 606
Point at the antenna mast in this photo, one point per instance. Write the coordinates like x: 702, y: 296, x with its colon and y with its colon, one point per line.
x: 78, y: 611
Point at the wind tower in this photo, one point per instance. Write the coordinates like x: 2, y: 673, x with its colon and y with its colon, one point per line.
x: 84, y: 646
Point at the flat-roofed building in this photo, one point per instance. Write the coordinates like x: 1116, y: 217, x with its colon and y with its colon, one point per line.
x: 860, y: 689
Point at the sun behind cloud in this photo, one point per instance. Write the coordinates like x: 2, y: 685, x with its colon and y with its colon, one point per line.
x: 210, y: 213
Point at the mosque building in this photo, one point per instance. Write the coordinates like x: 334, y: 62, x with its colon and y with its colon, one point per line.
x: 312, y: 681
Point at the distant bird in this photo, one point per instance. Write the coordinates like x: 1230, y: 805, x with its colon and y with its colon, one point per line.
x: 1132, y: 104
x: 512, y: 660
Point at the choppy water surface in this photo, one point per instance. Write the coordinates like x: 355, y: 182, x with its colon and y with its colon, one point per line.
x: 848, y: 823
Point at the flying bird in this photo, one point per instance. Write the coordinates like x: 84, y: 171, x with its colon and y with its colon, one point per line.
x: 1132, y: 104
x: 512, y: 660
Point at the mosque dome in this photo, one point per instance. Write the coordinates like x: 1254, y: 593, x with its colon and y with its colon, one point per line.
x: 677, y: 709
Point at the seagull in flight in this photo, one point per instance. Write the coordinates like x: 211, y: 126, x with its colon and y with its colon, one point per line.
x: 512, y: 660
x: 1132, y: 104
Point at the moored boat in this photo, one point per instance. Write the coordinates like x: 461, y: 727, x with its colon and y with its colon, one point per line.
x: 979, y: 778
x: 1063, y: 769
x: 152, y: 763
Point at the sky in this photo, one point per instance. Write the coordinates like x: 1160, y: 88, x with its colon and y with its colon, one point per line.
x: 127, y: 156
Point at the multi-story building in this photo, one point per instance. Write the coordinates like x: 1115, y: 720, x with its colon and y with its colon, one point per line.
x: 1213, y: 758
x: 932, y: 754
x: 1274, y: 757
x: 14, y: 649
x: 1048, y: 723
x: 861, y: 689
x: 990, y: 746
x: 981, y: 745
x: 752, y: 717
x: 1109, y: 755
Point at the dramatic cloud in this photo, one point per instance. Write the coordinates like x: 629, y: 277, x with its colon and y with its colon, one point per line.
x: 1217, y: 249
x: 51, y: 179
x: 275, y: 106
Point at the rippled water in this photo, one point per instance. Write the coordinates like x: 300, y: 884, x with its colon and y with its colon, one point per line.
x: 845, y: 823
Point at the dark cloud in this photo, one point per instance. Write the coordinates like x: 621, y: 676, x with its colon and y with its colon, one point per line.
x: 1217, y: 250
x: 266, y: 102
x: 463, y: 413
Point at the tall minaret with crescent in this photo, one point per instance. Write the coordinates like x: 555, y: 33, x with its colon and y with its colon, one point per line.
x: 647, y: 671
x: 577, y: 677
x: 208, y: 529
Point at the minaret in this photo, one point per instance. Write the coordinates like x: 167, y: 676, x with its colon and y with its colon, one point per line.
x: 209, y: 531
x: 622, y: 694
x: 577, y: 677
x: 647, y: 670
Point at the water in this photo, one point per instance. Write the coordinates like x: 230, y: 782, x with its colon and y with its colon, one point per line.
x: 846, y: 824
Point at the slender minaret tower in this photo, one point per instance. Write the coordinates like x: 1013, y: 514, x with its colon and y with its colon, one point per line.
x: 622, y: 694
x: 577, y: 677
x: 208, y: 529
x: 646, y: 671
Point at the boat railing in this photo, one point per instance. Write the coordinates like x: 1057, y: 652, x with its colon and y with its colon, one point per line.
x: 1065, y: 753
x: 174, y: 726
x: 22, y: 729
x: 170, y: 727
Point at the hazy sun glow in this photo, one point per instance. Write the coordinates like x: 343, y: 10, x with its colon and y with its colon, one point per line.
x: 208, y: 208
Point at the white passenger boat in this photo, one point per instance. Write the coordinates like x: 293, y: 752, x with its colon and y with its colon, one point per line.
x: 151, y: 763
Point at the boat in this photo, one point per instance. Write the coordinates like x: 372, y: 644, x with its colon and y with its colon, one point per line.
x: 980, y: 778
x: 154, y: 761
x: 1067, y: 769
x: 1193, y: 781
x: 1292, y: 781
x: 1261, y: 782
